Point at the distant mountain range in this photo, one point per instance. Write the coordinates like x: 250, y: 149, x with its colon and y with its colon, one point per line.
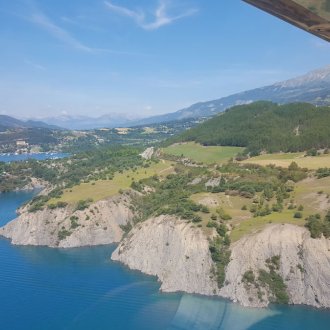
x: 86, y: 123
x: 10, y: 122
x: 313, y: 87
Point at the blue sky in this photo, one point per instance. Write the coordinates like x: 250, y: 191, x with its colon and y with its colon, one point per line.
x: 142, y: 57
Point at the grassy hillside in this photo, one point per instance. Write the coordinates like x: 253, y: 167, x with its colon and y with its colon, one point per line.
x: 102, y: 189
x: 202, y: 154
x: 266, y: 126
x: 285, y: 159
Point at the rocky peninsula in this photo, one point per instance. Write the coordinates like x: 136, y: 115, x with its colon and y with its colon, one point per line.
x: 177, y: 252
x: 100, y: 223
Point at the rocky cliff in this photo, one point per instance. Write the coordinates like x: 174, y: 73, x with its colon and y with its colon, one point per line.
x: 174, y: 251
x: 303, y: 264
x: 178, y: 254
x: 66, y: 227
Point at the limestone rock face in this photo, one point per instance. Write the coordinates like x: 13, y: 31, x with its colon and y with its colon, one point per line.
x: 148, y: 153
x: 178, y: 254
x: 304, y: 266
x: 64, y: 227
x: 171, y: 249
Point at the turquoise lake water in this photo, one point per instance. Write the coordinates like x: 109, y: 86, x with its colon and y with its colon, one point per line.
x: 48, y: 289
x: 40, y: 156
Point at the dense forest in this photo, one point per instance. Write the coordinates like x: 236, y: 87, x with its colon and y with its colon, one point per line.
x: 265, y: 126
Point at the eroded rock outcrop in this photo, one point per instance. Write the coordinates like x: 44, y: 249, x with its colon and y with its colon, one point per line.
x: 174, y: 251
x: 66, y: 227
x: 178, y: 254
x: 303, y: 265
x: 148, y: 153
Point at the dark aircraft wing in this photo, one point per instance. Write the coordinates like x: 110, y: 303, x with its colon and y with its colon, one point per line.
x: 310, y: 15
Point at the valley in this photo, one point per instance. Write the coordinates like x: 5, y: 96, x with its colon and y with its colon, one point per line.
x: 164, y: 168
x: 20, y: 139
x: 182, y: 204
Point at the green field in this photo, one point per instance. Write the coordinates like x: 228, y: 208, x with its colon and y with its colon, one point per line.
x: 285, y: 159
x: 201, y: 154
x: 107, y: 188
x: 254, y: 224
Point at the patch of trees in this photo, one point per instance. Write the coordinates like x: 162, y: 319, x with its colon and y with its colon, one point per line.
x: 273, y: 280
x: 318, y: 226
x: 59, y: 204
x: 323, y: 172
x: 268, y: 279
x: 171, y: 196
x: 265, y: 126
x: 92, y: 165
x: 83, y: 204
x: 220, y: 254
x: 219, y: 249
x: 248, y: 180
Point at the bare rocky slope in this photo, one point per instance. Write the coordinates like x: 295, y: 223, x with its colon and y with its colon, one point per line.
x: 178, y: 254
x: 66, y: 227
x: 304, y: 265
x: 171, y: 249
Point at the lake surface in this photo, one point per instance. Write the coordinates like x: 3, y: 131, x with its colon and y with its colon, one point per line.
x: 43, y: 288
x: 40, y: 156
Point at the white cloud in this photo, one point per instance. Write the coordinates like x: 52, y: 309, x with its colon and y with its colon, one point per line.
x: 160, y: 17
x: 56, y: 31
x: 136, y: 15
x: 44, y: 22
x: 33, y: 14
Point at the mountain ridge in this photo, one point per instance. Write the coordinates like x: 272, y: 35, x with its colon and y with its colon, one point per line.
x: 12, y: 122
x: 312, y: 87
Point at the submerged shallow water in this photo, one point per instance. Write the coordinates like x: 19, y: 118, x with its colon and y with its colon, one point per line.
x: 43, y: 288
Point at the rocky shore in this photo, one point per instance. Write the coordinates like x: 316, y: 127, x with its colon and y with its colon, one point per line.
x: 177, y: 252
x: 172, y: 250
x: 100, y: 223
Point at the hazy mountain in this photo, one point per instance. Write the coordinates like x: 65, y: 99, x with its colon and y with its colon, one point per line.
x: 313, y: 87
x: 10, y: 122
x: 85, y: 122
